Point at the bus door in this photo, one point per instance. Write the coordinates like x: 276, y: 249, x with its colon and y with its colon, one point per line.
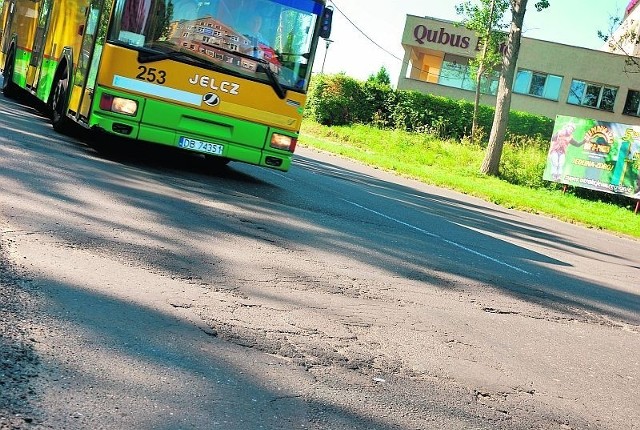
x: 8, y: 12
x: 86, y: 72
x: 37, y: 50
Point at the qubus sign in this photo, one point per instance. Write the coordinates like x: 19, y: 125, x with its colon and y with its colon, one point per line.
x: 422, y: 34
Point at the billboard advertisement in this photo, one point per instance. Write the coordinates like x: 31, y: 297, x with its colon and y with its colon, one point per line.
x: 597, y: 155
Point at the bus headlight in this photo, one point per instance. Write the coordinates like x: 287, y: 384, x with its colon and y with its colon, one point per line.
x: 285, y: 143
x: 118, y: 105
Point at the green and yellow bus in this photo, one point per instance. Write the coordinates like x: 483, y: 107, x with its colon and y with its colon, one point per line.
x: 225, y: 78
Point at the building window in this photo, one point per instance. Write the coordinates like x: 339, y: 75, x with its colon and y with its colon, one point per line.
x: 632, y: 105
x: 455, y: 72
x: 538, y: 84
x: 592, y: 95
x: 489, y: 83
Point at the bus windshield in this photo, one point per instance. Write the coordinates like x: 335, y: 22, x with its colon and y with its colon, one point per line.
x: 265, y: 40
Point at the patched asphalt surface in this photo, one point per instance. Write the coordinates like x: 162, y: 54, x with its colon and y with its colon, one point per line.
x: 152, y: 293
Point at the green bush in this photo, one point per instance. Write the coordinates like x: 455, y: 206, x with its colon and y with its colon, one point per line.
x: 527, y: 124
x: 341, y: 100
x: 337, y: 100
x: 523, y: 166
x: 378, y: 99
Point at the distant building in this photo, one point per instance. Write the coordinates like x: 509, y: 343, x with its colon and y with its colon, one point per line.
x: 630, y: 24
x: 551, y: 78
x: 210, y: 37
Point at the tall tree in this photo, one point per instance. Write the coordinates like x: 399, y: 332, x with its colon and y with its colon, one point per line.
x: 485, y: 19
x: 491, y: 162
x: 382, y: 77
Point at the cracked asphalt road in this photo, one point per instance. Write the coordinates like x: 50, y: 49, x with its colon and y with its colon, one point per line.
x: 140, y: 290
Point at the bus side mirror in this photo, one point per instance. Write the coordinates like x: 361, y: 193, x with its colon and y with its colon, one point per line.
x: 325, y: 22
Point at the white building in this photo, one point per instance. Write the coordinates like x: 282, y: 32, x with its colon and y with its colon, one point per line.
x: 624, y: 38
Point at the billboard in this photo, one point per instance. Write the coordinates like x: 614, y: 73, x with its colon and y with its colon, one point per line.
x: 597, y: 155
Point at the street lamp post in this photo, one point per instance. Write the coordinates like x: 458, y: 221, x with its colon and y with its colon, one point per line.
x: 328, y: 42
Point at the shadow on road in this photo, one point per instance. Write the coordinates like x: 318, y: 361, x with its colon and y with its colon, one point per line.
x: 138, y: 173
x: 437, y: 240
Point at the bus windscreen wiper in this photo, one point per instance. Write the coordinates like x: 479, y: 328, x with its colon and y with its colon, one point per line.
x: 154, y: 56
x: 147, y: 55
x: 262, y: 65
x: 151, y: 56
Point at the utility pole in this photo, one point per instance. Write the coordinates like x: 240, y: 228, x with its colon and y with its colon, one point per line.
x: 328, y: 42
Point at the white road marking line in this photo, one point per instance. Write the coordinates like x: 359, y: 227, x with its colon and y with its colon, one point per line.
x: 428, y: 233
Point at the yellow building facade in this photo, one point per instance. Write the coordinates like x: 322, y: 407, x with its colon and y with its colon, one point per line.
x: 551, y: 78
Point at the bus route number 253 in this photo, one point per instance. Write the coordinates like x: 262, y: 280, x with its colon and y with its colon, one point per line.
x: 151, y: 74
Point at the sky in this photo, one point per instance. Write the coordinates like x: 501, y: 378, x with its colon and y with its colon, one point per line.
x: 571, y: 22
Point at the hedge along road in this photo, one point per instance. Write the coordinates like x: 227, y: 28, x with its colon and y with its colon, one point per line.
x: 335, y: 296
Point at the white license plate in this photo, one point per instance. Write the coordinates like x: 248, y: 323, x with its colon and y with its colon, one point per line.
x: 200, y: 146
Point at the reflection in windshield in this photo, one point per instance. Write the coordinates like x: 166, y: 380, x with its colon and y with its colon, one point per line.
x: 277, y: 33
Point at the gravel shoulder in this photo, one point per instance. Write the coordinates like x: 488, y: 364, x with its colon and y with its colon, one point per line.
x: 19, y: 365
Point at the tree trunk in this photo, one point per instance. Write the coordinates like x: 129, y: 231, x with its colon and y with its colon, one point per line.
x: 491, y: 163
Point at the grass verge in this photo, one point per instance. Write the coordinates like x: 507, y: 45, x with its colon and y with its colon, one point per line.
x: 456, y: 166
